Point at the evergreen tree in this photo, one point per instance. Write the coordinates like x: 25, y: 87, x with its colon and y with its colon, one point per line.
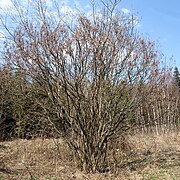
x: 177, y: 76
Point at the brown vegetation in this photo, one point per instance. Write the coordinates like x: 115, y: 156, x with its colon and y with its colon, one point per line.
x: 92, y: 83
x: 145, y: 157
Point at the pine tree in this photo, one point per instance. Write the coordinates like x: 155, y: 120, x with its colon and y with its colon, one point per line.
x: 177, y: 76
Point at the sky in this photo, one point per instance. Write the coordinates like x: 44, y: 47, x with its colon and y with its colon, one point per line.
x: 158, y: 19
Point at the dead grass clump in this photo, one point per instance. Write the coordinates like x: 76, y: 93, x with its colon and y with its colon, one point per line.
x: 37, y: 157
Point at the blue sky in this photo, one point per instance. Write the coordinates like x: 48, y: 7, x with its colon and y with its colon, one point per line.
x: 159, y: 19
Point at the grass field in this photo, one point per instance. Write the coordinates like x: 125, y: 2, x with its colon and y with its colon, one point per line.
x: 149, y: 157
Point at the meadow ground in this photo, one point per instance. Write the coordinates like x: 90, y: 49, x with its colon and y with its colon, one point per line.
x: 149, y: 157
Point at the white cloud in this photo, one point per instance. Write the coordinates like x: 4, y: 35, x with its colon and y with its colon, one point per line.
x: 4, y: 4
x: 125, y: 10
x: 67, y: 10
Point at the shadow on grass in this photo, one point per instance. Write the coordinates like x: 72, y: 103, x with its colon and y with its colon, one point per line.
x: 163, y: 159
x: 5, y: 170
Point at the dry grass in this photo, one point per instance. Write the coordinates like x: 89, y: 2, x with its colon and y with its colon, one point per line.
x: 156, y: 157
x: 150, y: 157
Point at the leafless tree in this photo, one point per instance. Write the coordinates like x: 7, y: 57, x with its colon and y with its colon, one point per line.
x: 92, y: 71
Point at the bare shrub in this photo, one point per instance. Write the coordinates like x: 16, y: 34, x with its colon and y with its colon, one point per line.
x: 91, y: 70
